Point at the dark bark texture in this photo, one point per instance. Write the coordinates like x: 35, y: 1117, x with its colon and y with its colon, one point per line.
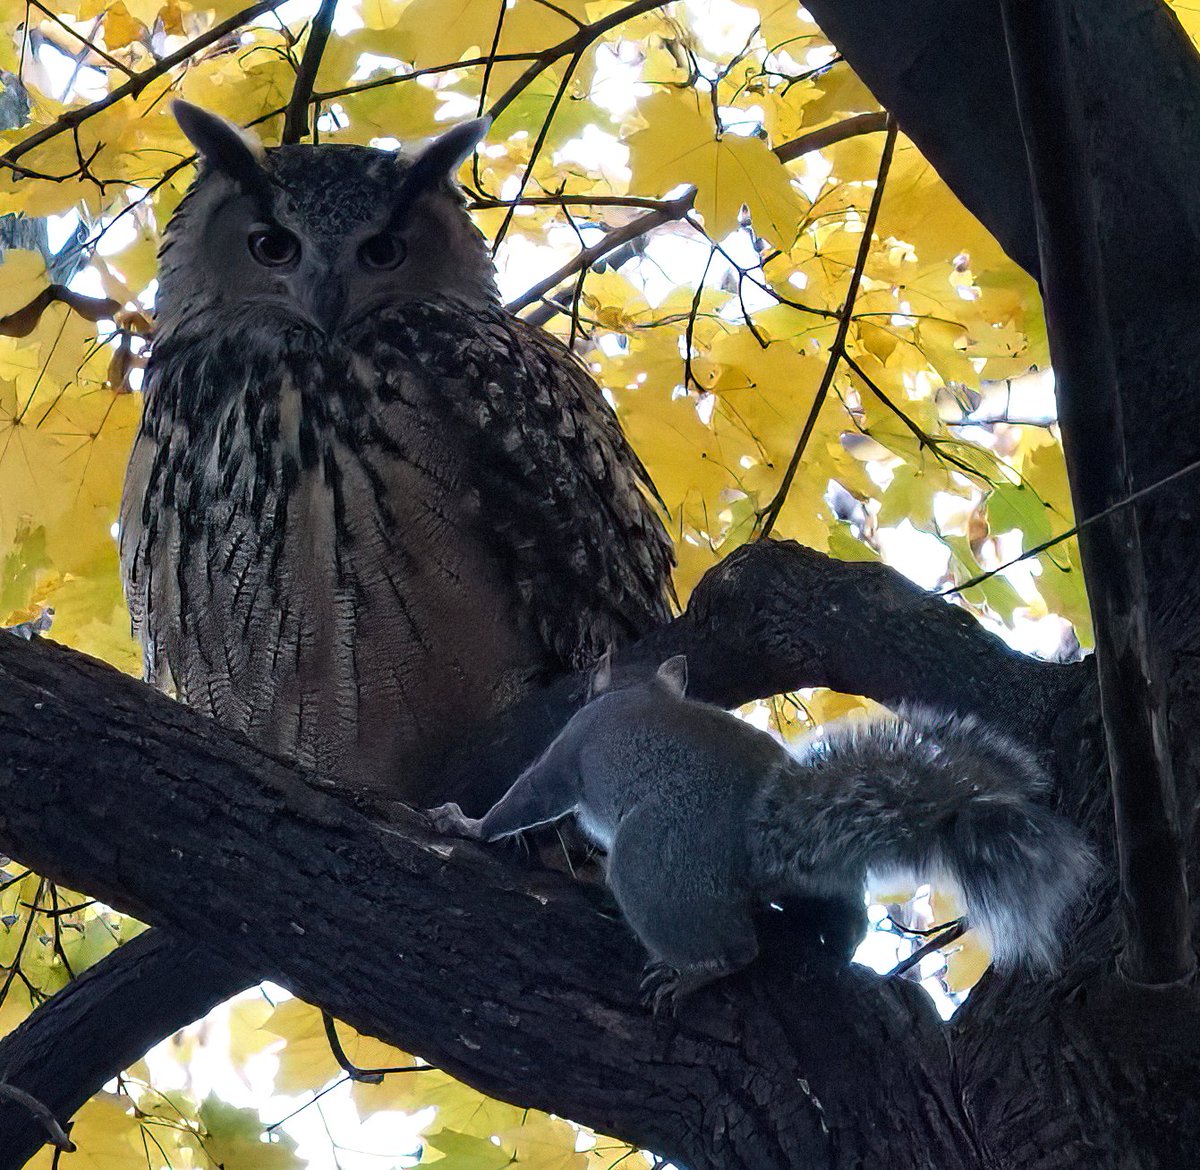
x: 523, y: 983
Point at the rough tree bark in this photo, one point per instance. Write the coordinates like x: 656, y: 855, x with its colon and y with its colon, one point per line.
x: 176, y: 821
x: 1081, y: 1071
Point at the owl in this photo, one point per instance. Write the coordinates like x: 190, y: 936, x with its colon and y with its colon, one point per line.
x: 366, y: 505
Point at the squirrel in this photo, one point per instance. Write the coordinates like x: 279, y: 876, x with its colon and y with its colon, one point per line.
x: 705, y: 819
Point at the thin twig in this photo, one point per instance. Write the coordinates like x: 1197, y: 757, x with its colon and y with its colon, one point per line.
x: 295, y: 122
x: 368, y: 1076
x: 1038, y: 549
x: 952, y: 933
x: 87, y: 44
x: 573, y: 46
x: 771, y: 513
x: 538, y: 143
x: 923, y: 439
x: 674, y: 209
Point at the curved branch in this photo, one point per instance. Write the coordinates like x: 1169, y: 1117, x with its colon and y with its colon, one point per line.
x: 64, y: 1055
x: 427, y: 943
x: 772, y: 617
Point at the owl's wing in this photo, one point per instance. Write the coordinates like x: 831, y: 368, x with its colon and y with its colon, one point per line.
x: 567, y: 504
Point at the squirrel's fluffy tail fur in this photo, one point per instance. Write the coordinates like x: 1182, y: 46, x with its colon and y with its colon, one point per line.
x: 932, y: 796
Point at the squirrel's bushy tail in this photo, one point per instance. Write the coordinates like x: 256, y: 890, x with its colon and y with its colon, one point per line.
x: 930, y: 795
x: 1019, y: 868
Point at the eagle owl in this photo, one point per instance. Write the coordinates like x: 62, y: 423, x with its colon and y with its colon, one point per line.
x: 364, y: 498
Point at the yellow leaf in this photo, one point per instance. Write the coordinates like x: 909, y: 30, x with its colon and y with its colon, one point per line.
x: 22, y: 277
x: 108, y: 1137
x: 121, y: 29
x: 679, y: 145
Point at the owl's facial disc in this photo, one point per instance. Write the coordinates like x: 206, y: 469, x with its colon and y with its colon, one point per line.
x: 323, y: 234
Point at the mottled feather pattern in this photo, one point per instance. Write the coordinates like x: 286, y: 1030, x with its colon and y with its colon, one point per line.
x: 367, y: 506
x: 558, y: 484
x: 430, y: 435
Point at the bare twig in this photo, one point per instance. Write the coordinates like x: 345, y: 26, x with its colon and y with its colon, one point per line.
x: 573, y: 46
x: 837, y: 351
x: 87, y: 44
x: 832, y: 134
x: 1038, y: 549
x: 368, y: 1076
x: 953, y: 932
x: 674, y: 209
x: 295, y: 122
x: 923, y: 439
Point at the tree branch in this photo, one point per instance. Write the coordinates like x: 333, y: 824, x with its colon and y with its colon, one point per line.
x: 295, y: 123
x: 771, y: 512
x: 56, y: 1057
x: 427, y: 943
x: 572, y: 46
x: 1154, y: 896
x: 134, y: 86
x: 622, y: 238
x: 773, y: 617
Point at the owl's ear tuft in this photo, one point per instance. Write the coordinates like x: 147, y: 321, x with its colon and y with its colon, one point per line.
x: 440, y: 160
x: 673, y: 675
x: 222, y: 145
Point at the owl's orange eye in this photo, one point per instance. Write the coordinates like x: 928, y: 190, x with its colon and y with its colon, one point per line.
x: 273, y: 247
x: 382, y: 252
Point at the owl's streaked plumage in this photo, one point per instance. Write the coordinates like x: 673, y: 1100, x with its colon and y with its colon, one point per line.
x: 365, y: 498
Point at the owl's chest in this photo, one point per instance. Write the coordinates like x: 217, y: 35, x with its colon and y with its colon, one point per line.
x: 318, y: 576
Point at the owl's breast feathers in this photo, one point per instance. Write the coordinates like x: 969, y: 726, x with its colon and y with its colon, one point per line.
x: 333, y: 546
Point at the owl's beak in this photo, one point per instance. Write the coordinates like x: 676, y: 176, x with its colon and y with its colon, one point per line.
x: 327, y: 302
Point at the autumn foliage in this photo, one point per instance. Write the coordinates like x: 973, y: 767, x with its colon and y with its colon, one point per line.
x: 776, y: 366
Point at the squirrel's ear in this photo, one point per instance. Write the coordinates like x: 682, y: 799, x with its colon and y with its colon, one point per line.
x: 601, y: 677
x: 673, y: 675
x: 440, y: 160
x: 222, y: 145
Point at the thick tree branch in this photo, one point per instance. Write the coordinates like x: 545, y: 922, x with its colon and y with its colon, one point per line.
x: 428, y: 943
x: 295, y: 123
x: 53, y: 1056
x: 772, y: 617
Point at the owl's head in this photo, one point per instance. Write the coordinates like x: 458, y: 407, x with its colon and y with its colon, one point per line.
x: 322, y: 235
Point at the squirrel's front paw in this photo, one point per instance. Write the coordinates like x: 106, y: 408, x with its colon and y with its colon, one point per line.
x: 662, y: 989
x: 451, y: 820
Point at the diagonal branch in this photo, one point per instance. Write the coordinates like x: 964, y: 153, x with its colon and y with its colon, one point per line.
x: 836, y: 351
x: 75, y: 117
x: 774, y: 616
x: 572, y: 46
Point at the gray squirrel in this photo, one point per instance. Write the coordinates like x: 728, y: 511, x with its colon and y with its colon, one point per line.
x: 705, y: 819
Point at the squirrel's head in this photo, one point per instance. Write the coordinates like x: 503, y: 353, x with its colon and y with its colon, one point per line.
x: 671, y: 677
